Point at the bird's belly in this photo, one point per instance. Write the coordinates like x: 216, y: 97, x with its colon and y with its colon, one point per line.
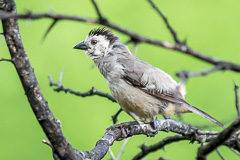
x: 139, y: 105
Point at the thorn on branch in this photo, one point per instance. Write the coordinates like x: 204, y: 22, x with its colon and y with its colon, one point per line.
x: 55, y: 156
x: 49, y: 29
x: 47, y: 143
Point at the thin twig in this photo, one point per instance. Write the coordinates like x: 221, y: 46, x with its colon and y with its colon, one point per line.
x: 111, y: 154
x: 173, y: 33
x: 50, y: 28
x: 91, y: 92
x: 115, y: 116
x: 236, y: 152
x: 101, y: 19
x: 220, y: 155
x: 160, y: 145
x: 184, y: 75
x: 183, y: 48
x: 203, y: 151
x: 6, y: 60
x: 60, y: 77
x: 122, y: 148
x: 236, y: 98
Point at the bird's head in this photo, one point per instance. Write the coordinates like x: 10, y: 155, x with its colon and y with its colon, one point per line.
x: 97, y: 42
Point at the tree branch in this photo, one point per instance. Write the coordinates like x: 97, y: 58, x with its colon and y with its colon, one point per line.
x: 220, y: 155
x: 183, y: 48
x: 160, y: 145
x: 91, y: 92
x: 173, y: 33
x: 114, y: 117
x: 184, y: 75
x: 30, y: 84
x: 102, y: 20
x: 219, y: 140
x: 130, y: 129
x: 6, y: 60
x: 61, y: 147
x: 50, y: 28
x: 122, y: 148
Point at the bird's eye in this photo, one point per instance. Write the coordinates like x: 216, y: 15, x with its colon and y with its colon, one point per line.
x: 93, y: 42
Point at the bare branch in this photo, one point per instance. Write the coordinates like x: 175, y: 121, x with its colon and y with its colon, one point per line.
x: 234, y: 151
x: 102, y: 20
x: 129, y: 129
x: 160, y: 145
x: 220, y: 155
x: 50, y: 28
x: 6, y: 60
x: 60, y: 77
x: 173, y: 33
x: 183, y: 48
x: 111, y: 154
x: 184, y: 75
x: 31, y: 87
x: 52, y: 128
x: 236, y: 98
x: 203, y: 151
x: 91, y: 92
x: 114, y: 117
x: 122, y: 148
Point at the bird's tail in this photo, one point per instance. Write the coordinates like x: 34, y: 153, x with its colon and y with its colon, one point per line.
x: 203, y: 114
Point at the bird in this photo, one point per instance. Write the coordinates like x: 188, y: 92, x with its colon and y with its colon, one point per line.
x: 142, y: 90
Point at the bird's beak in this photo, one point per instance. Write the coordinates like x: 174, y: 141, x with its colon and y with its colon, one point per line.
x: 81, y: 46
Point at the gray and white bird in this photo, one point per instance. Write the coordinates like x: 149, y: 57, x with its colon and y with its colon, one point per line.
x: 142, y: 90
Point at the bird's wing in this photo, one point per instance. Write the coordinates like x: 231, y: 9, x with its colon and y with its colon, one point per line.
x: 157, y: 83
x: 151, y: 80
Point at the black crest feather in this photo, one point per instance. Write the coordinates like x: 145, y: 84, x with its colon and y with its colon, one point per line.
x: 104, y: 32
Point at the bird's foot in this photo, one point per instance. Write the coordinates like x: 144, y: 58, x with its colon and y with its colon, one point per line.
x: 151, y: 132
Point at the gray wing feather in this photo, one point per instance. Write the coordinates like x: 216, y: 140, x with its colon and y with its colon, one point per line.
x: 150, y: 79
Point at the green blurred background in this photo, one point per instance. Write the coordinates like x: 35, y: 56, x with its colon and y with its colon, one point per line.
x: 211, y: 27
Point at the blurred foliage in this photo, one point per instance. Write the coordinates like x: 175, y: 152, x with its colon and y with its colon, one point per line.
x: 211, y: 27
